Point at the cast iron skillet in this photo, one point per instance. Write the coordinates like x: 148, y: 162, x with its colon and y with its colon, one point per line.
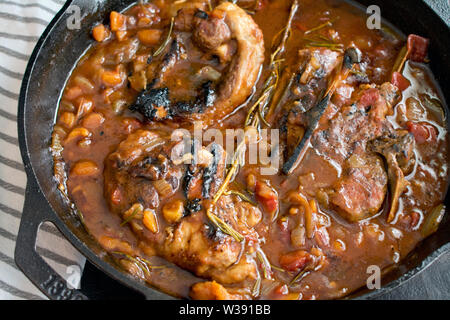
x: 50, y: 65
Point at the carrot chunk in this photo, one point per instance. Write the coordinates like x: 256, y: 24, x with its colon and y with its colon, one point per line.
x: 121, y: 35
x: 149, y: 37
x: 111, y: 78
x: 100, y: 33
x: 267, y: 197
x: 117, y: 21
x: 295, y: 260
x: 67, y: 119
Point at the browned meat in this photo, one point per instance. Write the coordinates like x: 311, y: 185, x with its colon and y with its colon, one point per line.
x: 208, y: 252
x: 316, y: 66
x: 169, y: 60
x: 308, y: 80
x: 356, y: 124
x: 146, y: 160
x: 131, y: 171
x: 209, y: 31
x: 344, y: 140
x: 184, y: 20
x: 361, y: 191
x: 216, y: 32
x: 226, y: 31
x: 243, y: 71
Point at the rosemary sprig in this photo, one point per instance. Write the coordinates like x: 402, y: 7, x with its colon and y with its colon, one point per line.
x: 265, y: 263
x: 225, y: 228
x: 299, y: 276
x: 257, y: 286
x: 303, y: 273
x: 166, y: 42
x: 130, y: 217
x: 141, y: 263
x: 332, y: 46
x: 329, y: 23
x: 277, y: 268
x: 240, y: 195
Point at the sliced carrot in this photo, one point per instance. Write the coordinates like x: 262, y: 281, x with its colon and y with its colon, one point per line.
x: 77, y: 134
x: 149, y: 220
x: 121, y: 35
x: 111, y: 78
x: 100, y: 33
x: 117, y: 21
x: 149, y: 37
x: 144, y: 21
x: 116, y: 196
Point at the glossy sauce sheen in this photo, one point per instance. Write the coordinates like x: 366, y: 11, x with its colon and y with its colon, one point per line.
x: 349, y: 247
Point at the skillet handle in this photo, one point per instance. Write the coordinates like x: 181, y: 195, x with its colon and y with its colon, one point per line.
x: 25, y: 255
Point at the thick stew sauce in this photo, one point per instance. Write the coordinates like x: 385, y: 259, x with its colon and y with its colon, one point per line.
x: 263, y: 149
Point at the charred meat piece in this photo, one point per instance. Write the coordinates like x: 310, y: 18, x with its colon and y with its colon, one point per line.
x: 206, y: 173
x: 308, y: 82
x: 140, y: 171
x: 202, y: 102
x: 316, y: 66
x: 153, y: 104
x: 198, y: 246
x: 244, y: 68
x: 344, y: 136
x: 313, y: 116
x: 176, y: 50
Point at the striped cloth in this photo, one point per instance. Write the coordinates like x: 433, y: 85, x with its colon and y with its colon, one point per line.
x: 21, y: 24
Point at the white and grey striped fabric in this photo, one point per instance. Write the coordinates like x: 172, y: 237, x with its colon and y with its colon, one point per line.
x: 21, y: 24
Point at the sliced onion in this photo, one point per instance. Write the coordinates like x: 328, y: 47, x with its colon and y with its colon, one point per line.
x: 163, y: 187
x: 432, y: 221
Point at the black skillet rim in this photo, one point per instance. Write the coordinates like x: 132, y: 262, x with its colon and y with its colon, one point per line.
x: 122, y: 277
